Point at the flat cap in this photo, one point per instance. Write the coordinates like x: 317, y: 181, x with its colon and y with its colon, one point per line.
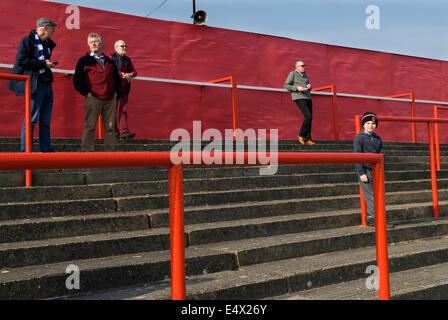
x: 42, y: 22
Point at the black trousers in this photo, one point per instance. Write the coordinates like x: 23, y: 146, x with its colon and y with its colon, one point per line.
x: 306, y: 106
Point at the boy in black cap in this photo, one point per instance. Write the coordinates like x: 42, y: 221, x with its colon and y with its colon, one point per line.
x: 368, y: 142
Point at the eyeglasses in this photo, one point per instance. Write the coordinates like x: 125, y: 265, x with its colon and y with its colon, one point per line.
x: 124, y: 46
x: 303, y: 66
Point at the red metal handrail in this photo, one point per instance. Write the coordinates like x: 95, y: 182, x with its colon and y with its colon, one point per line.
x: 436, y: 136
x: 28, y: 142
x: 235, y: 120
x: 10, y: 161
x: 100, y: 127
x: 411, y: 96
x: 430, y: 123
x: 334, y: 111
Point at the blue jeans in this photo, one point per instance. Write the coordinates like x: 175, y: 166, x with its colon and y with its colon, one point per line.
x: 41, y: 108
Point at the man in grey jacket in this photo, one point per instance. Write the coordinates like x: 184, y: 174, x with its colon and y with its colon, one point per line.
x: 299, y: 86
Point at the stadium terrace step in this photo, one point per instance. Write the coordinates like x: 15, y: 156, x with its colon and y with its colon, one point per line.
x: 292, y: 235
x: 54, y: 227
x: 424, y: 283
x: 336, y: 197
x: 16, y: 178
x: 74, y: 145
x: 307, y: 273
x: 66, y: 226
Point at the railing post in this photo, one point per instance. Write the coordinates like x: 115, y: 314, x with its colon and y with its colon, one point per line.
x: 436, y: 137
x: 361, y: 194
x: 380, y: 231
x: 435, y: 197
x: 176, y: 200
x: 100, y: 127
x: 411, y: 96
x: 234, y: 105
x: 333, y: 107
x: 28, y: 140
x: 235, y: 121
x: 414, y: 133
x: 335, y: 112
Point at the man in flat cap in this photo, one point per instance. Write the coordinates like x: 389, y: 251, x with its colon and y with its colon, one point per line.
x: 34, y: 59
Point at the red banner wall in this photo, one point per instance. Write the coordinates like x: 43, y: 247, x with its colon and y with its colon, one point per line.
x: 164, y: 49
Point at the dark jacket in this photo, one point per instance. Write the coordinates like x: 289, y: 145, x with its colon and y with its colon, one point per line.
x: 90, y: 77
x: 28, y: 64
x: 118, y: 60
x: 367, y: 143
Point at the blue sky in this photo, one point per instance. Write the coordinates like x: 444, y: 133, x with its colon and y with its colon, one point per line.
x: 410, y: 27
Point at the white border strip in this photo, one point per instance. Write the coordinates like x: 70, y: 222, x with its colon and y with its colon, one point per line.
x: 220, y: 85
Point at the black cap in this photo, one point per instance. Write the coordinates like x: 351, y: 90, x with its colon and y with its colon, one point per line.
x: 369, y: 116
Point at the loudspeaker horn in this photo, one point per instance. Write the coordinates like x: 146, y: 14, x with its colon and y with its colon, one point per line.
x: 200, y: 17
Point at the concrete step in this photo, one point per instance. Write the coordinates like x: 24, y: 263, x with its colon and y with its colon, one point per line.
x: 152, y: 147
x: 207, y: 261
x: 164, y: 142
x: 285, y: 276
x: 64, y: 226
x: 44, y: 251
x: 424, y: 283
x: 160, y: 185
x: 154, y: 202
x: 242, y: 230
x: 96, y: 176
x: 226, y: 171
x: 82, y: 247
x: 309, y: 194
x: 41, y: 282
x: 71, y: 226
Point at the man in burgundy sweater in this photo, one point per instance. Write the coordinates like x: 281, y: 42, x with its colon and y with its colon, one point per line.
x: 96, y: 78
x: 126, y: 71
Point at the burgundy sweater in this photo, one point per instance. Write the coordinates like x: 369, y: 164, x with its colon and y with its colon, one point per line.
x: 91, y: 77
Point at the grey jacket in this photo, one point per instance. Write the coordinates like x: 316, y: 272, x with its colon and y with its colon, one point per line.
x: 293, y: 81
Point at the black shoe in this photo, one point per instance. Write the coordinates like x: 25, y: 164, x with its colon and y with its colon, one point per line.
x: 370, y: 221
x: 127, y: 135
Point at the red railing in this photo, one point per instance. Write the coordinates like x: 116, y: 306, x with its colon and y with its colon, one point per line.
x: 100, y: 127
x: 411, y: 96
x: 436, y: 136
x: 430, y: 123
x: 334, y: 110
x: 14, y: 161
x: 235, y: 121
x: 28, y: 144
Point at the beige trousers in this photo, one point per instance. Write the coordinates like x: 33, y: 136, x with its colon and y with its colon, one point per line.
x: 93, y: 108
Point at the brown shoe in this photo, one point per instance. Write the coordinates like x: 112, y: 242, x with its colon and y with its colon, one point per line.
x: 301, y: 140
x: 310, y: 143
